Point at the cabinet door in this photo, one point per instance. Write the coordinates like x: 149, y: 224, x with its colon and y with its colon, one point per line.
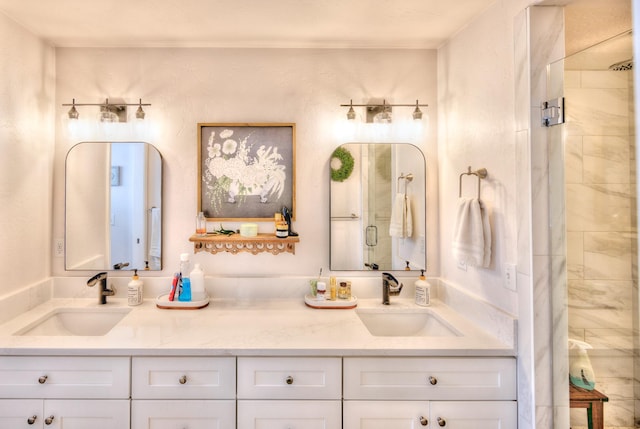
x: 386, y: 415
x: 474, y: 414
x: 183, y: 378
x: 289, y: 378
x: 83, y: 414
x: 289, y: 414
x: 64, y: 377
x: 192, y: 414
x: 430, y: 378
x: 21, y: 414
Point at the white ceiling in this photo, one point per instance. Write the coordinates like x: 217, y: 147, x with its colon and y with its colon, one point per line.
x: 245, y: 23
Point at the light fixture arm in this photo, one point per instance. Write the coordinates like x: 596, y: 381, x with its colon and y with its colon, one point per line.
x: 107, y: 107
x: 383, y: 105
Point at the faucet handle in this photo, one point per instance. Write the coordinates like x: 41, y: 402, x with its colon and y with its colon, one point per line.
x: 95, y: 279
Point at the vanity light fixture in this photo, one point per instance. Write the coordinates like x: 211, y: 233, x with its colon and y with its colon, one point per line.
x: 109, y: 112
x: 73, y: 112
x: 383, y: 111
x: 140, y: 113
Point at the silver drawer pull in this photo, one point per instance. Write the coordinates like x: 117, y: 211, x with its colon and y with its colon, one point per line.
x: 423, y: 421
x: 48, y: 420
x: 43, y: 379
x: 433, y: 381
x: 289, y: 380
x: 183, y: 379
x: 32, y: 420
x: 442, y: 422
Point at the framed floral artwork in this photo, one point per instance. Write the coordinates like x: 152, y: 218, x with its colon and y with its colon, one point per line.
x: 246, y: 172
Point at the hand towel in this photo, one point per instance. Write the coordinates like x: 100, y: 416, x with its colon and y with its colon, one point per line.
x: 401, y: 223
x: 486, y: 229
x: 472, y: 234
x: 155, y: 245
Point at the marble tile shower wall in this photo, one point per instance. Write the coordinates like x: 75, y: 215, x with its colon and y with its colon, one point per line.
x: 601, y: 232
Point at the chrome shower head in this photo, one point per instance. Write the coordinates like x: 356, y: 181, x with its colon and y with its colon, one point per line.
x: 622, y: 65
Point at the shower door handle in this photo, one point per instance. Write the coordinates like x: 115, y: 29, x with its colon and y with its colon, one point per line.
x: 371, y: 233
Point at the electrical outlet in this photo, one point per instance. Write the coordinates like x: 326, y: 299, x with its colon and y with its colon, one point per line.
x: 58, y: 247
x: 510, y: 277
x: 462, y: 265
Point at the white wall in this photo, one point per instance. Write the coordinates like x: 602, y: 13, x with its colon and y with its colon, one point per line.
x: 477, y: 129
x: 27, y: 88
x: 188, y: 86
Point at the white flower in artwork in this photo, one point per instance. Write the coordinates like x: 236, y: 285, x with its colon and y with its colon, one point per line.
x: 231, y: 171
x: 214, y: 150
x: 225, y: 134
x: 229, y: 146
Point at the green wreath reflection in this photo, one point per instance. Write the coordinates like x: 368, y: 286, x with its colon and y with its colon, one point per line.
x: 346, y: 165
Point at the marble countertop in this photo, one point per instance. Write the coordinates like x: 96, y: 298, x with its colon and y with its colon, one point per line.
x: 255, y: 328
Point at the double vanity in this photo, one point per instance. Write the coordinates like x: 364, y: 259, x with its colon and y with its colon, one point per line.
x: 258, y: 363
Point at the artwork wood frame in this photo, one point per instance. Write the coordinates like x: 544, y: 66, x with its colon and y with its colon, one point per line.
x: 246, y: 171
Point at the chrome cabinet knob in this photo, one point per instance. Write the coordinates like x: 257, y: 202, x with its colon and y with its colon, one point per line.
x: 289, y: 380
x: 433, y: 381
x: 48, y: 420
x: 32, y: 420
x: 183, y: 379
x: 442, y: 422
x: 424, y: 421
x: 43, y: 379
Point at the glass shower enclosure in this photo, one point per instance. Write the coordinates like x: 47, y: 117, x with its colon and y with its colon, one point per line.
x: 593, y: 208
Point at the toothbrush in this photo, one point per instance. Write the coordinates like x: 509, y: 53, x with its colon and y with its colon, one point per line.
x: 174, y: 286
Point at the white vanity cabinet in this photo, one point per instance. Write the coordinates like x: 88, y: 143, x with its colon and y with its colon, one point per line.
x: 289, y: 392
x: 456, y: 393
x: 193, y: 392
x: 64, y: 392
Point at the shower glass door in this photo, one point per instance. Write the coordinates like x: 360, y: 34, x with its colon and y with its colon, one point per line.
x: 594, y: 228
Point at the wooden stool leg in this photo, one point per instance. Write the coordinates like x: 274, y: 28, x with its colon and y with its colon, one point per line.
x: 597, y: 412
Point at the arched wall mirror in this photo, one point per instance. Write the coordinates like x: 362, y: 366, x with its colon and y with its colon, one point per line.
x: 378, y: 207
x: 113, y: 206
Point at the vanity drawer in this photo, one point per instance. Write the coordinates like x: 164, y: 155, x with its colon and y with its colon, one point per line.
x: 64, y: 377
x: 430, y: 378
x: 289, y: 378
x: 183, y: 378
x: 289, y: 414
x: 192, y: 414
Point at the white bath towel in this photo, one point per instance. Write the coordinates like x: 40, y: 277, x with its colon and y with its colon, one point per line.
x: 155, y: 242
x: 472, y: 234
x: 401, y: 224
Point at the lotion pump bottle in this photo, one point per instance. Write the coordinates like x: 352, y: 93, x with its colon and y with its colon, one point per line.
x: 198, y: 292
x: 423, y: 291
x: 134, y: 290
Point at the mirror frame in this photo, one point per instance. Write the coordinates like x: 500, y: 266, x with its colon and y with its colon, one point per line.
x: 419, y: 184
x: 110, y: 180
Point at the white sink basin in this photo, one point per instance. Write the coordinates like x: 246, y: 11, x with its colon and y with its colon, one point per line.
x: 75, y: 321
x: 404, y: 322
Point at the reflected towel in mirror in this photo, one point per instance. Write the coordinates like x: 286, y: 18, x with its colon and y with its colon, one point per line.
x: 155, y: 246
x: 401, y: 224
x: 472, y: 234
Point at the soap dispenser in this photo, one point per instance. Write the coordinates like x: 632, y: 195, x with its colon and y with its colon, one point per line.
x: 198, y: 292
x: 134, y: 290
x: 423, y: 291
x: 580, y: 370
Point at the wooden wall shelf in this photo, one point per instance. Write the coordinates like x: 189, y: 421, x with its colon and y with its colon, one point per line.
x: 236, y: 243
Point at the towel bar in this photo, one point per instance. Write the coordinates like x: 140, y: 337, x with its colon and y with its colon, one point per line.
x: 480, y: 174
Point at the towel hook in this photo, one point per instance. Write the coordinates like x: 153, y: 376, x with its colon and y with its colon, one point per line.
x: 407, y: 179
x: 481, y: 173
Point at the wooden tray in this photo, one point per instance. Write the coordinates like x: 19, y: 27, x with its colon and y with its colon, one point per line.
x: 163, y: 302
x: 338, y: 304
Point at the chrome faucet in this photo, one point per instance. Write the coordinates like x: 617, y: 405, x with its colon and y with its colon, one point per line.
x: 104, y: 292
x: 390, y: 287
